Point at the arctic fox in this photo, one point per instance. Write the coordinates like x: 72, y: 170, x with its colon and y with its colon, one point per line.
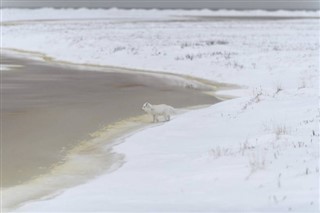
x: 158, y: 110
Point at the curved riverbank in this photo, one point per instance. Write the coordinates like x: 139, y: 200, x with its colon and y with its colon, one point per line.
x: 29, y: 113
x: 174, y: 79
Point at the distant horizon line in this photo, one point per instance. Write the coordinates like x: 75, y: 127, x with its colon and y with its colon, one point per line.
x: 167, y: 8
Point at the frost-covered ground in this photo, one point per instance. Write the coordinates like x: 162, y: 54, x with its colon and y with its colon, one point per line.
x: 257, y: 152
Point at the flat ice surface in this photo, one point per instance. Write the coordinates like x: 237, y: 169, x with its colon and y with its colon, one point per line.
x: 258, y: 152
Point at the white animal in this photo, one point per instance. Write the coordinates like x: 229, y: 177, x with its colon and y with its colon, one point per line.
x: 158, y: 110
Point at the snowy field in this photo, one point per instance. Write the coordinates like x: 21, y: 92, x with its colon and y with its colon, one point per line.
x: 256, y: 152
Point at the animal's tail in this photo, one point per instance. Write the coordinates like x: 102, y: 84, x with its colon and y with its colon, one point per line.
x: 176, y: 111
x: 188, y: 109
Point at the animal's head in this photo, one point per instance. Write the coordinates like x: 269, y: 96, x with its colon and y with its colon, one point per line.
x: 146, y: 106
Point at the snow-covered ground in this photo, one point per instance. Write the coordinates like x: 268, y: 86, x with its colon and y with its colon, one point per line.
x: 133, y: 14
x: 247, y: 52
x: 257, y: 152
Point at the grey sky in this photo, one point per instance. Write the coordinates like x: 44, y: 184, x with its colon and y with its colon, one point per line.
x: 186, y: 4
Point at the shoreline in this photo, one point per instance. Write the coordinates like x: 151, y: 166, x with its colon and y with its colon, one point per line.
x: 96, y: 151
x: 100, y: 146
x: 183, y: 80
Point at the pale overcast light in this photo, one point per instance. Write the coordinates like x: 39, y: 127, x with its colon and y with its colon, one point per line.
x: 183, y: 4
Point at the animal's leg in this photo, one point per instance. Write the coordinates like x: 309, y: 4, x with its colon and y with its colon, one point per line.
x: 168, y: 117
x: 154, y: 118
x: 165, y: 117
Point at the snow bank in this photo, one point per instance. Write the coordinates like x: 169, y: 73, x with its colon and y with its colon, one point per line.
x: 223, y: 158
